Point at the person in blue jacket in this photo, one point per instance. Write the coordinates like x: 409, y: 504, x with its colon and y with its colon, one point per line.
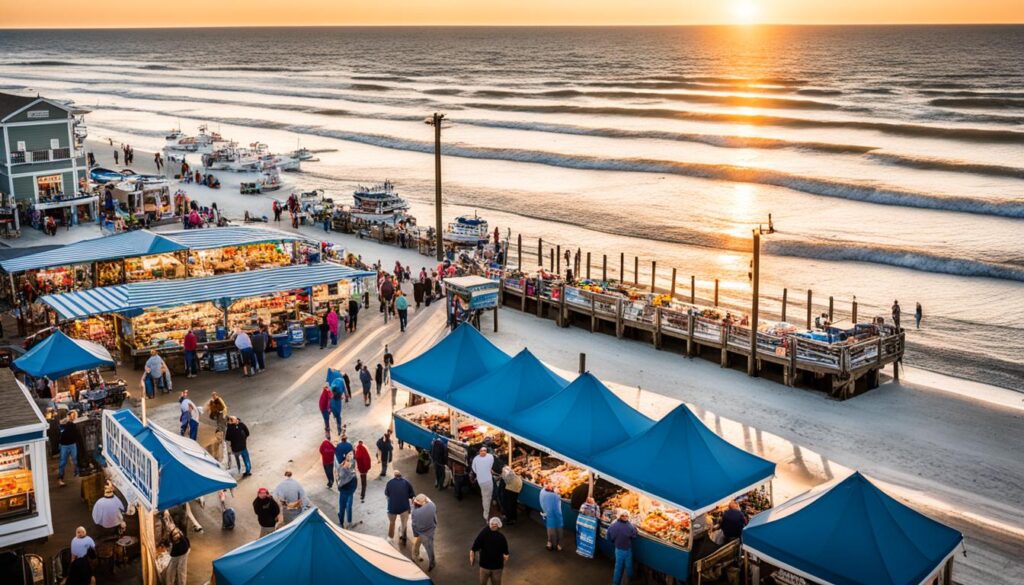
x: 551, y: 510
x: 337, y: 394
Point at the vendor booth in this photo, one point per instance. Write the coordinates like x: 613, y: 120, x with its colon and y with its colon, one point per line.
x: 145, y: 197
x: 157, y: 470
x: 459, y: 358
x: 468, y: 296
x: 311, y: 550
x: 73, y: 367
x: 24, y: 487
x: 848, y: 532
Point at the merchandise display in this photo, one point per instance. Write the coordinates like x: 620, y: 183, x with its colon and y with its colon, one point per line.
x: 238, y: 259
x: 539, y: 470
x: 98, y: 329
x: 109, y: 273
x: 167, y: 327
x: 16, y: 487
x: 475, y: 434
x: 274, y: 310
x: 651, y: 517
x: 58, y: 279
x: 437, y: 421
x: 331, y: 294
x: 153, y: 267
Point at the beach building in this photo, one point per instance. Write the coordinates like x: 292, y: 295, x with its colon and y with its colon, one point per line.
x: 42, y: 168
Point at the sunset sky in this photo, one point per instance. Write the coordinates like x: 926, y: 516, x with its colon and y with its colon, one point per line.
x: 118, y: 13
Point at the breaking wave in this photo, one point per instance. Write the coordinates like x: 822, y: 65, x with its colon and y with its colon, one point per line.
x: 979, y: 102
x: 729, y: 100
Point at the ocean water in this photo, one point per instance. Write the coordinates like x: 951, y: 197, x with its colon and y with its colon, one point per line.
x: 890, y: 158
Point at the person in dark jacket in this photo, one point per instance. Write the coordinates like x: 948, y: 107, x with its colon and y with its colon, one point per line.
x: 417, y: 293
x: 259, y: 347
x: 621, y: 534
x: 732, y: 522
x: 69, y: 437
x: 324, y: 329
x: 365, y: 378
x: 378, y: 377
x: 439, y: 457
x: 237, y: 435
x: 268, y: 512
x: 353, y: 313
x: 428, y: 291
x: 385, y: 449
x: 399, y: 494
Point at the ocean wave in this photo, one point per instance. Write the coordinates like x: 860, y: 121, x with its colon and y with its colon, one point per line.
x: 821, y: 92
x: 369, y: 87
x: 953, y: 166
x: 734, y: 81
x: 254, y: 69
x: 398, y: 78
x: 970, y: 93
x: 896, y: 128
x: 157, y: 67
x: 729, y: 100
x: 43, y: 63
x: 912, y: 259
x: 442, y: 91
x: 981, y: 102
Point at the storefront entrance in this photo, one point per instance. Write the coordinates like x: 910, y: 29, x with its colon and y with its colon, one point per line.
x: 49, y: 186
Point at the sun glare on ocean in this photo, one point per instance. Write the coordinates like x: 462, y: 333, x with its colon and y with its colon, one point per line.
x: 744, y: 12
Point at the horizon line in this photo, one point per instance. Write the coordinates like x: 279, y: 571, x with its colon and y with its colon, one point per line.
x: 549, y: 25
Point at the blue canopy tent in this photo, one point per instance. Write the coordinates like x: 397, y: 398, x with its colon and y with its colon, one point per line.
x: 850, y: 532
x: 696, y: 469
x: 580, y: 421
x: 310, y: 551
x: 521, y: 383
x: 461, y: 357
x: 186, y: 470
x: 59, y: 355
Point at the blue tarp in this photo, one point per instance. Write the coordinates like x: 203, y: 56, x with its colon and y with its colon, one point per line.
x: 58, y: 355
x: 696, y: 469
x: 521, y: 383
x: 124, y: 245
x: 311, y: 551
x: 161, y: 293
x: 461, y: 357
x: 851, y: 533
x: 580, y: 421
x: 187, y: 471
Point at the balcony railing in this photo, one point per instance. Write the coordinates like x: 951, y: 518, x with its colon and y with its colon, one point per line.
x: 20, y: 157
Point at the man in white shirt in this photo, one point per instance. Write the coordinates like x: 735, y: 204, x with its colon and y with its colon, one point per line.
x: 483, y: 463
x: 81, y: 544
x: 189, y: 416
x: 107, y: 511
x: 156, y: 370
x: 244, y: 345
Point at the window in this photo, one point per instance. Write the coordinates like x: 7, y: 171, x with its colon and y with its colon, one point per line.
x: 49, y: 187
x: 54, y: 143
x: 17, y: 497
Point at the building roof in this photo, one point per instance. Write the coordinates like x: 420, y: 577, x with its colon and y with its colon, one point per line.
x: 123, y: 245
x: 10, y: 103
x: 221, y: 237
x: 19, y: 415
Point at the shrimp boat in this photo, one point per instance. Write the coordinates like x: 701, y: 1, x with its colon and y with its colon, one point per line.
x: 204, y: 142
x: 379, y: 203
x: 466, y: 230
x: 270, y: 180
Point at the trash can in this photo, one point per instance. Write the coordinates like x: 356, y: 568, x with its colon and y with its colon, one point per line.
x: 284, y: 349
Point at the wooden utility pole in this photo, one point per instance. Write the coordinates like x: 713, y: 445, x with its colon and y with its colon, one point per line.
x: 785, y: 293
x: 636, y: 271
x: 809, y: 307
x: 519, y: 251
x: 752, y: 362
x: 654, y: 272
x: 622, y: 267
x: 673, y: 289
x: 716, y: 292
x: 540, y: 252
x: 436, y: 121
x: 693, y: 290
x: 588, y: 265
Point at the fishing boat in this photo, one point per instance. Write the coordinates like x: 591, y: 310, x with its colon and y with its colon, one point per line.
x: 467, y: 230
x: 230, y: 157
x: 270, y: 180
x: 204, y: 142
x: 379, y: 203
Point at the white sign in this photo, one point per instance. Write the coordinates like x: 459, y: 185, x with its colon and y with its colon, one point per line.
x: 136, y: 464
x: 787, y: 578
x: 37, y: 114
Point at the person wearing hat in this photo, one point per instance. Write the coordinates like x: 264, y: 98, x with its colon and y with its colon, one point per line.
x: 621, y: 534
x: 424, y: 524
x: 107, y: 511
x: 291, y: 496
x: 268, y: 512
x: 492, y: 546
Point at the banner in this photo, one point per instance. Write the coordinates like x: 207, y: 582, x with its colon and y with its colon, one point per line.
x: 586, y: 535
x: 134, y: 462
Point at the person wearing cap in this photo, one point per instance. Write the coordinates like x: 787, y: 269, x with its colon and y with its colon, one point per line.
x: 343, y: 448
x: 551, y: 511
x: 482, y: 465
x: 492, y: 547
x: 292, y: 497
x: 268, y: 512
x: 107, y: 511
x: 621, y: 534
x: 399, y: 494
x: 424, y: 524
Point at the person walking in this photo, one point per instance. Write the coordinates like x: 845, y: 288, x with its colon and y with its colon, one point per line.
x: 337, y: 394
x: 268, y: 512
x: 378, y: 377
x: 189, y: 416
x: 399, y: 494
x: 492, y: 547
x: 387, y: 296
x: 551, y: 511
x: 327, y: 458
x: 621, y: 534
x: 512, y: 484
x: 424, y: 525
x: 389, y: 360
x: 115, y: 157
x: 402, y: 306
x: 244, y: 344
x: 157, y: 374
x: 190, y: 344
x: 325, y: 408
x: 342, y: 449
x: 482, y: 465
x: 260, y: 339
x: 347, y: 484
x: 237, y: 436
x: 291, y: 496
x: 385, y: 449
x: 332, y: 324
x: 428, y: 290
x: 366, y: 379
x: 439, y: 458
x: 363, y: 463
x: 177, y: 570
x: 896, y: 314
x: 918, y: 313
x: 325, y: 329
x: 69, y: 437
x: 353, y: 313
x: 81, y: 544
x: 348, y: 386
x: 218, y: 411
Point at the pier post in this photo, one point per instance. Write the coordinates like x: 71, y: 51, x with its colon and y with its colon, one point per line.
x: 522, y: 294
x: 496, y: 312
x: 604, y: 267
x: 654, y: 271
x: 785, y: 293
x: 622, y: 267
x: 691, y: 324
x: 754, y: 306
x: 593, y: 313
x: 558, y: 260
x: 619, y: 327
x: 693, y: 290
x: 583, y: 362
x: 588, y: 265
x: 854, y: 313
x: 636, y: 271
x: 809, y: 292
x: 551, y: 254
x: 540, y: 252
x: 793, y: 346
x: 830, y: 307
x: 436, y: 122
x: 519, y: 251
x: 716, y: 292
x: 724, y: 339
x: 562, y: 321
x: 673, y: 289
x: 657, y: 328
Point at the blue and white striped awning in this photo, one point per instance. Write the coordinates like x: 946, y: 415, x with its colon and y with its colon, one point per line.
x: 205, y: 239
x: 124, y: 245
x: 164, y: 293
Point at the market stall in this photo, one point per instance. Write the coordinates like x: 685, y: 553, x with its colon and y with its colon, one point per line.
x: 24, y: 487
x: 312, y: 550
x: 145, y: 197
x: 468, y: 297
x: 73, y: 367
x: 848, y: 531
x: 520, y: 383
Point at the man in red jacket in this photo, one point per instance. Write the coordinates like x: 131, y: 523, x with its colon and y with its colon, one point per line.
x: 327, y: 458
x: 190, y: 345
x: 363, y: 462
x: 325, y: 407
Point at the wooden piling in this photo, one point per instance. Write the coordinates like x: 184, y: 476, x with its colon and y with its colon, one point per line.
x: 558, y: 259
x: 604, y: 267
x: 636, y: 271
x: 716, y: 292
x: 693, y: 290
x: 540, y: 252
x: 654, y: 271
x: 673, y: 288
x: 785, y: 293
x: 519, y: 251
x: 853, y: 312
x: 551, y: 253
x: 622, y: 267
x: 809, y: 292
x: 754, y: 306
x: 588, y: 265
x: 830, y: 309
x: 583, y: 363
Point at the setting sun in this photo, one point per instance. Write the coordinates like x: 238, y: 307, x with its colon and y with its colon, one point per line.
x: 744, y: 12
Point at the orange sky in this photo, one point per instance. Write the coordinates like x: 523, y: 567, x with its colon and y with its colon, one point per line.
x: 157, y: 13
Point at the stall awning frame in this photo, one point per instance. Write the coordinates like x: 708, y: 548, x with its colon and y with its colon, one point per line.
x: 131, y: 244
x: 223, y: 237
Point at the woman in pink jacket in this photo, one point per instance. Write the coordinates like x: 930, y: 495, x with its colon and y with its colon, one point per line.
x: 325, y: 407
x: 332, y: 324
